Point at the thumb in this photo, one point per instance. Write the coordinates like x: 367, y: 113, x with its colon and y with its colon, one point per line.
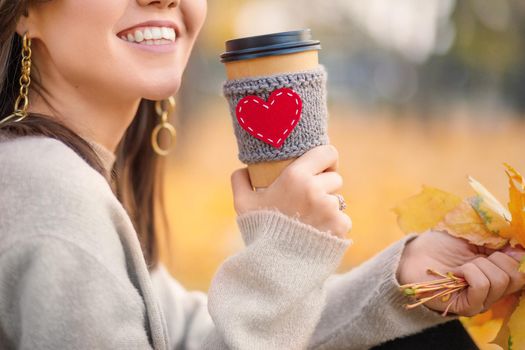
x: 241, y: 181
x: 242, y: 189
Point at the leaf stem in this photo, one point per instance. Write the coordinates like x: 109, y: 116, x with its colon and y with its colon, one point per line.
x: 442, y: 288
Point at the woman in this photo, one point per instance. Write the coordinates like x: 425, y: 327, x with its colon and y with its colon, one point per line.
x: 78, y: 187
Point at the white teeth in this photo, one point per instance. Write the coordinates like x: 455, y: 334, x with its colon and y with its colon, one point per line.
x: 151, y: 35
x: 156, y: 33
x: 139, y: 36
x: 147, y: 34
x: 166, y: 33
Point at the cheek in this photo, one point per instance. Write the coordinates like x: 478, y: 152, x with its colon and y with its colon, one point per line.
x: 77, y: 36
x: 195, y: 14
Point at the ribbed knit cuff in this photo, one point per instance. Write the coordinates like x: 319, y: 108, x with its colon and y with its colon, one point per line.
x: 365, y: 307
x: 395, y: 296
x: 296, y: 237
x: 311, y: 131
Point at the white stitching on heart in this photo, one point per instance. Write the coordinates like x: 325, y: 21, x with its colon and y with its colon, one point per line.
x: 266, y: 106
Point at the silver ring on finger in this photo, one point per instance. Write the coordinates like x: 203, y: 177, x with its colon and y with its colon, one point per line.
x: 342, y: 203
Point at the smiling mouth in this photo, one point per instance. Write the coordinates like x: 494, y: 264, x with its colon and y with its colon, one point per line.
x: 149, y: 35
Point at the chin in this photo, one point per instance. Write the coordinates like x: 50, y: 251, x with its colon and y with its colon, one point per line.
x: 161, y: 90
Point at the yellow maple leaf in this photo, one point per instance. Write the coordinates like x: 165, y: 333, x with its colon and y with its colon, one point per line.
x: 505, y: 309
x: 464, y: 222
x: 425, y: 210
x: 483, y: 333
x: 516, y: 326
x: 491, y: 327
x: 516, y: 205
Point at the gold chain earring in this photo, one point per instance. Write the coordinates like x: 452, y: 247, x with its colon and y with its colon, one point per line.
x: 163, y: 108
x: 22, y: 101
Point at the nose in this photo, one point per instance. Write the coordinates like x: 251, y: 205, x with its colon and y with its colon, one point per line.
x: 160, y: 3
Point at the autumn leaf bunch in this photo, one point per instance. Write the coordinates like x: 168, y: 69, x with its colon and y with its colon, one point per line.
x: 483, y: 221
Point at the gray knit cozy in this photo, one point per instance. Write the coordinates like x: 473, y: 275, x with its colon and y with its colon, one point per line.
x: 311, y: 131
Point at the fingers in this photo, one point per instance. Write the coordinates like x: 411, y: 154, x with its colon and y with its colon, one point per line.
x: 478, y: 289
x: 346, y: 225
x: 516, y: 253
x: 490, y: 279
x: 510, y: 266
x: 498, y: 279
x: 331, y: 218
x: 242, y: 189
x: 317, y: 160
x: 342, y: 225
x: 332, y: 203
x: 330, y: 181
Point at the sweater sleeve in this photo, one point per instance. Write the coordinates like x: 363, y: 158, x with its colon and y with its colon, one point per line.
x: 278, y: 294
x: 56, y: 295
x: 268, y: 296
x: 365, y: 307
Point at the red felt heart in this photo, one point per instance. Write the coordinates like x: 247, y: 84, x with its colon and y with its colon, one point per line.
x: 272, y: 121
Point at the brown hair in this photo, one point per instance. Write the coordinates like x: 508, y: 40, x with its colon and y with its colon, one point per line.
x: 137, y: 176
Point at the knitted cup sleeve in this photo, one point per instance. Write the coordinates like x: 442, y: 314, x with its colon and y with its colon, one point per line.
x: 310, y: 131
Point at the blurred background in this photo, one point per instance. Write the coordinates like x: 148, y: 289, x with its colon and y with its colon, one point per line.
x: 420, y: 92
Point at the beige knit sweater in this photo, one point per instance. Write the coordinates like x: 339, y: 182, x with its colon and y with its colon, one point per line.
x: 72, y: 274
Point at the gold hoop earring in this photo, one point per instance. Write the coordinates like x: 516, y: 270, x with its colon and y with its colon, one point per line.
x: 22, y: 101
x: 163, y: 109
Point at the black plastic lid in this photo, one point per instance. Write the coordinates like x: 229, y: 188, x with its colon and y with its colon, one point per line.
x: 269, y: 45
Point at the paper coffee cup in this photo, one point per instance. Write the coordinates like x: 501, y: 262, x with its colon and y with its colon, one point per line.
x: 265, y: 55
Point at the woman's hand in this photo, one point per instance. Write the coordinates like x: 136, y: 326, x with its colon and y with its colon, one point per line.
x: 491, y: 274
x: 305, y: 189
